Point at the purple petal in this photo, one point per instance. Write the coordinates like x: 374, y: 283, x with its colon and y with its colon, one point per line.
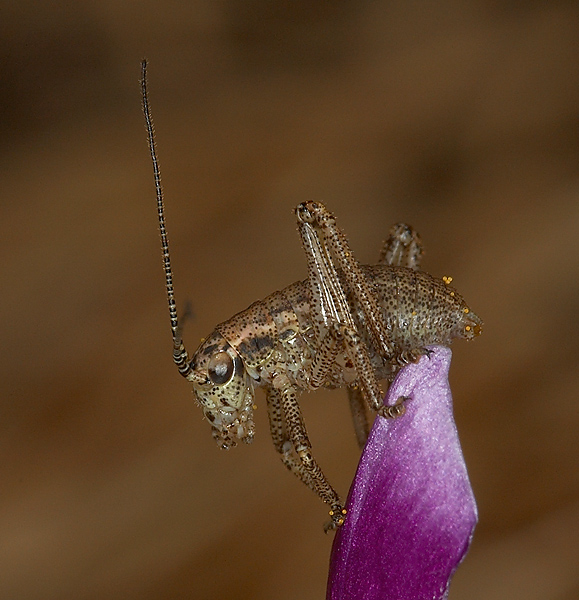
x: 411, y: 510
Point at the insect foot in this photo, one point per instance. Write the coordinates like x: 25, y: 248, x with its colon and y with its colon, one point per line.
x: 394, y: 410
x: 338, y: 516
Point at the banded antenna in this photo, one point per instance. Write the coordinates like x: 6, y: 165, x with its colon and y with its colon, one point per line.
x: 180, y: 356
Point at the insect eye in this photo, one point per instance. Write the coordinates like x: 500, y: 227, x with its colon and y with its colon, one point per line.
x: 220, y: 369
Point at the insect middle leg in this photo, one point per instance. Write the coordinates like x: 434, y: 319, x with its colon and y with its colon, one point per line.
x: 403, y: 248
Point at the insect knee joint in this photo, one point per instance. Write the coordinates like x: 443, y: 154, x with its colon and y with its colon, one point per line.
x: 305, y: 454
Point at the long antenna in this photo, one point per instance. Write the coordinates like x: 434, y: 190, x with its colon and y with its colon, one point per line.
x: 180, y: 355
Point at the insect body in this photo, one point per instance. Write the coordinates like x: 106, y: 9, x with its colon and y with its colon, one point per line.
x: 346, y: 325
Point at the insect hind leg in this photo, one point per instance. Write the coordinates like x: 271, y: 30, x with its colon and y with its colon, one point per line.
x: 403, y: 248
x: 324, y: 242
x: 328, y: 250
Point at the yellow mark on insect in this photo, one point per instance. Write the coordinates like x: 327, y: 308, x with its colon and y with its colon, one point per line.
x: 467, y: 328
x: 413, y: 313
x: 466, y: 310
x: 447, y: 279
x: 452, y: 293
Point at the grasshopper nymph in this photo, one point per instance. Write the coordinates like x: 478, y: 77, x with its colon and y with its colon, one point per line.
x: 346, y: 325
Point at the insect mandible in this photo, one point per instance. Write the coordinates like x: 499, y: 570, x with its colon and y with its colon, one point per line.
x: 346, y: 325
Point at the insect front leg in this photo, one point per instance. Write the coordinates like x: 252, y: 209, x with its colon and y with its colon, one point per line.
x: 281, y: 440
x: 291, y: 440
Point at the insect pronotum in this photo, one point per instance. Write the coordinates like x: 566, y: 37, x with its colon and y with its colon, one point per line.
x: 346, y: 325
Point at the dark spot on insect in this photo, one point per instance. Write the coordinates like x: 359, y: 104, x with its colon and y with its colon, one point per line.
x: 210, y: 349
x: 238, y: 364
x: 263, y: 342
x: 284, y: 306
x: 287, y: 335
x: 256, y: 344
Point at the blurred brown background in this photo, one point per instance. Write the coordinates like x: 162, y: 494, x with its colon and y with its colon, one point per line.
x: 461, y: 118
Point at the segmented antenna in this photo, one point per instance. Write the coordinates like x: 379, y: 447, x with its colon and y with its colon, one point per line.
x: 180, y: 355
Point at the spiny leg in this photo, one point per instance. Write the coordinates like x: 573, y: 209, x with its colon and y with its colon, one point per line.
x: 331, y: 314
x: 316, y: 221
x: 403, y: 248
x: 299, y: 437
x: 281, y: 440
x: 301, y: 461
x: 346, y: 337
x: 334, y: 326
x: 358, y: 353
x: 325, y: 357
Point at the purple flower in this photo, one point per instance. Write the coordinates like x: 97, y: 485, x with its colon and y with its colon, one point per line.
x: 411, y: 510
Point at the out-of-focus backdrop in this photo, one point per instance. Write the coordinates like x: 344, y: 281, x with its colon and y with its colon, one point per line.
x: 461, y: 118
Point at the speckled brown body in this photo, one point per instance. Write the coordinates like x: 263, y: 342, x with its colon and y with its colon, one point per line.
x: 346, y: 325
x: 419, y: 310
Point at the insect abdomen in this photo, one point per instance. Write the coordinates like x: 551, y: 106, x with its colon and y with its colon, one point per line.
x: 419, y: 310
